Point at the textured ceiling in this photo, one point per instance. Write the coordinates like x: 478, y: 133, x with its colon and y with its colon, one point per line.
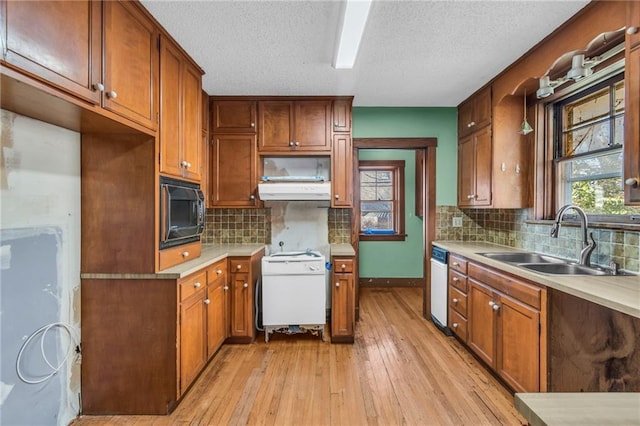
x: 413, y: 53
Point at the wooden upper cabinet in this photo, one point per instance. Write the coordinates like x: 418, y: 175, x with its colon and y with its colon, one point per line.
x: 130, y: 63
x: 233, y: 116
x: 475, y: 169
x: 298, y: 126
x: 342, y: 171
x: 33, y: 41
x: 234, y: 180
x: 475, y: 113
x: 181, y: 147
x: 342, y: 115
x: 632, y: 107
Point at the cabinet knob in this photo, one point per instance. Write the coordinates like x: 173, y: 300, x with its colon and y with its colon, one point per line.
x: 297, y: 144
x: 252, y: 197
x: 185, y: 254
x: 238, y: 267
x: 207, y: 301
x: 343, y: 266
x: 253, y: 124
x: 455, y: 279
x: 335, y: 123
x: 455, y: 264
x: 112, y: 94
x: 337, y: 196
x: 337, y: 284
x: 455, y: 300
x: 245, y: 285
x: 473, y: 123
x: 491, y: 303
x: 632, y: 182
x: 98, y: 87
x: 225, y: 288
x: 454, y: 325
x: 496, y: 307
x: 197, y: 284
x: 183, y: 163
x: 187, y: 164
x: 632, y: 30
x: 219, y: 271
x: 291, y: 143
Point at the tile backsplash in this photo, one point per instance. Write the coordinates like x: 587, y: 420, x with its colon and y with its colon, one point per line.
x: 253, y: 226
x: 510, y: 228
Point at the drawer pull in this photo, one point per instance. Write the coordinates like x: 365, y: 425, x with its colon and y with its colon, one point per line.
x: 245, y: 285
x: 185, y: 254
x: 455, y: 264
x: 343, y: 266
x: 197, y: 284
x: 219, y: 271
x: 239, y: 267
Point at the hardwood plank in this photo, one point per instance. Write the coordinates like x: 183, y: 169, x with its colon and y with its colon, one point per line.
x: 400, y: 370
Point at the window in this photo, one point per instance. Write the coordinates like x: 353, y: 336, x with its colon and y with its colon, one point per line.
x: 381, y: 200
x: 588, y: 137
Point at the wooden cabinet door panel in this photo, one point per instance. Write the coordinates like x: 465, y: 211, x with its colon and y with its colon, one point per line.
x: 465, y: 117
x: 466, y: 177
x: 241, y: 305
x: 192, y: 338
x: 342, y: 171
x: 216, y: 320
x: 234, y: 170
x: 342, y: 314
x: 170, y: 106
x: 233, y: 116
x: 191, y: 122
x: 481, y: 325
x: 276, y: 125
x: 633, y: 20
x: 312, y: 130
x: 483, y: 167
x: 518, y: 342
x: 342, y: 115
x: 70, y: 59
x: 632, y: 124
x: 482, y: 109
x: 131, y: 61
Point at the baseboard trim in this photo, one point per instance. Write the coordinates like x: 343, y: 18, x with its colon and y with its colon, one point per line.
x: 391, y: 282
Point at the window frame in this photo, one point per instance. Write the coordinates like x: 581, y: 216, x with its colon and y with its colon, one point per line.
x: 397, y: 167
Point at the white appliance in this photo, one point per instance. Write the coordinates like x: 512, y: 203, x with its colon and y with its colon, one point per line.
x: 439, y: 279
x: 293, y: 293
x: 287, y: 191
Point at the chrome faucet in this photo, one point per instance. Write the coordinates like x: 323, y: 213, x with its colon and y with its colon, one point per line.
x: 587, y: 247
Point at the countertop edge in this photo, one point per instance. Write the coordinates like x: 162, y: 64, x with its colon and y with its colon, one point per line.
x: 589, y: 288
x: 341, y: 249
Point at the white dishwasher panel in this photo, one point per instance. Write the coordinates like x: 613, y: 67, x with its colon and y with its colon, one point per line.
x: 293, y: 300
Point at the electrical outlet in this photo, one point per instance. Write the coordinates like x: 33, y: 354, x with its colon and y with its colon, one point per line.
x: 457, y: 222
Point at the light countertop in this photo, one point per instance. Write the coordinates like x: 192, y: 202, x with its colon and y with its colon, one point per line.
x: 621, y: 293
x: 342, y: 250
x: 584, y: 408
x: 210, y: 255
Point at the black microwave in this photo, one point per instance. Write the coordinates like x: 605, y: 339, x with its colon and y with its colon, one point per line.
x: 182, y: 212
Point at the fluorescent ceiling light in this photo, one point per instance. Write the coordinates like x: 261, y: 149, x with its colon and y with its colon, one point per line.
x: 354, y: 19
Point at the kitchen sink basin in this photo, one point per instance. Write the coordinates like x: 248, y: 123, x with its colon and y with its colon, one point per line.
x: 564, y: 269
x: 519, y: 257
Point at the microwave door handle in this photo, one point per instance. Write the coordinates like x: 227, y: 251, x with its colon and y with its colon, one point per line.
x: 166, y: 213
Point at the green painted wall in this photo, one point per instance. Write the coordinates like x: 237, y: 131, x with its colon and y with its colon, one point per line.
x: 403, y: 259
x: 406, y: 122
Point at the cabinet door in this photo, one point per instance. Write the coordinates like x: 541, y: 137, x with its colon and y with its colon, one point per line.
x: 342, y: 171
x: 69, y: 59
x: 233, y: 116
x: 481, y: 325
x: 342, y: 306
x: 234, y: 171
x: 312, y: 126
x: 632, y: 125
x: 466, y: 175
x: 192, y: 338
x: 465, y: 118
x: 483, y: 167
x: 518, y: 342
x: 191, y: 125
x: 342, y: 115
x: 170, y: 100
x: 241, y: 305
x: 275, y: 122
x: 131, y: 63
x: 216, y: 313
x: 633, y: 21
x: 482, y: 109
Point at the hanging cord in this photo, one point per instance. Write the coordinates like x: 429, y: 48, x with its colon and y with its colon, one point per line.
x: 74, y: 345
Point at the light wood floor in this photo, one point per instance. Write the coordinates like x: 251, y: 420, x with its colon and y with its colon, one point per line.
x: 400, y: 370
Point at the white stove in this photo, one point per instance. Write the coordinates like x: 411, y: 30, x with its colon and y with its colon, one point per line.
x: 293, y: 292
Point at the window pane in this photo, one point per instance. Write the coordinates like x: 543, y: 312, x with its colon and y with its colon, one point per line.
x: 587, y: 139
x: 583, y: 168
x: 588, y: 109
x: 618, y: 101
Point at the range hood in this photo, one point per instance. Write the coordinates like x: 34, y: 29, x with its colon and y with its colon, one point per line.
x: 294, y: 189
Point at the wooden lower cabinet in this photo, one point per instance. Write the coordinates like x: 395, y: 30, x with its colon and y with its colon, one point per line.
x: 217, y: 306
x: 506, y: 326
x: 343, y: 295
x: 193, y: 337
x: 243, y: 274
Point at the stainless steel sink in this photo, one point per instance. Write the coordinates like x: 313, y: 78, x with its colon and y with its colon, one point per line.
x: 564, y: 269
x: 520, y: 257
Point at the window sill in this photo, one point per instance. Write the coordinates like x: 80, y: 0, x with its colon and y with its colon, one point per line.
x: 382, y: 237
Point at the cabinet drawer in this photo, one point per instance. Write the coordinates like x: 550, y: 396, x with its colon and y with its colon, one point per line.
x: 192, y: 284
x: 217, y: 271
x: 239, y: 265
x: 458, y: 301
x: 458, y: 324
x: 176, y: 255
x: 511, y: 286
x: 343, y: 265
x: 458, y: 281
x: 458, y: 264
